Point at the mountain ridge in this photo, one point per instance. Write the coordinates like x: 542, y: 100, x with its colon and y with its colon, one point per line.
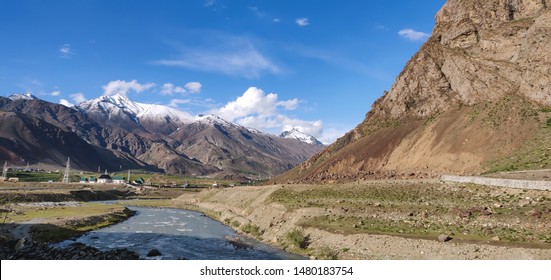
x: 473, y: 94
x: 155, y: 136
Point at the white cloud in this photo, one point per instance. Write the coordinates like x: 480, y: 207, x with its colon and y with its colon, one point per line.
x: 194, y: 87
x: 276, y: 20
x: 264, y: 112
x: 381, y: 27
x: 291, y: 104
x: 66, y: 51
x: 413, y: 35
x: 55, y: 93
x: 123, y: 87
x: 330, y: 135
x: 78, y: 97
x: 170, y: 89
x: 253, y: 101
x: 314, y: 128
x: 257, y: 12
x: 302, y: 21
x: 176, y: 102
x: 65, y: 103
x: 229, y: 55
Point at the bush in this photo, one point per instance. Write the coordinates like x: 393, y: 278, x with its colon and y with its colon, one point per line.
x: 236, y: 224
x: 326, y: 253
x: 252, y: 229
x: 298, y: 239
x: 549, y: 122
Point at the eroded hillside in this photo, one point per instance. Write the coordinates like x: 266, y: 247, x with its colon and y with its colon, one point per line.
x: 473, y: 99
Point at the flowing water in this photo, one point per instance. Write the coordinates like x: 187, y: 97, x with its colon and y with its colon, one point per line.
x: 179, y: 234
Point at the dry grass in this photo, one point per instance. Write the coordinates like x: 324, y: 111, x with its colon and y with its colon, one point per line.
x: 425, y: 210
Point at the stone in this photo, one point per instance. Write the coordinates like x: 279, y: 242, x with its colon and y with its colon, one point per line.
x: 154, y: 253
x: 523, y: 202
x: 444, y: 238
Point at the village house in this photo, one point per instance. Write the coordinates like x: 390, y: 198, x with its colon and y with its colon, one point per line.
x: 105, y: 179
x: 119, y: 180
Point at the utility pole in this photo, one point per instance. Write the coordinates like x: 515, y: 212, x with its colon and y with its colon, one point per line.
x: 67, y: 171
x: 5, y: 171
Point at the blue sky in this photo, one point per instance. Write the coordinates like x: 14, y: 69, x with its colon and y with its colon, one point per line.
x: 272, y: 65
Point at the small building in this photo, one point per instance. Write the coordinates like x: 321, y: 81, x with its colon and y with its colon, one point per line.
x: 119, y: 180
x: 13, y: 179
x: 105, y: 179
x: 92, y: 180
x: 83, y: 180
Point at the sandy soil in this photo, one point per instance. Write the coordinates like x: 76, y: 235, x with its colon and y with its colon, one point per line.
x: 253, y: 204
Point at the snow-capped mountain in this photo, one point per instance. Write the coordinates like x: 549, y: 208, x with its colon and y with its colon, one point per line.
x: 119, y: 110
x: 212, y: 119
x: 22, y: 96
x: 116, y: 132
x: 296, y: 134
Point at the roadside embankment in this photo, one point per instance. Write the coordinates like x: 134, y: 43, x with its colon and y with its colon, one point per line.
x: 498, y: 182
x: 385, y: 220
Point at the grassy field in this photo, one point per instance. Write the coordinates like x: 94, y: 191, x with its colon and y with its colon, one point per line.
x: 155, y: 179
x: 426, y: 210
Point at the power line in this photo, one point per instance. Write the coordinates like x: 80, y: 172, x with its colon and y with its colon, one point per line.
x: 67, y: 170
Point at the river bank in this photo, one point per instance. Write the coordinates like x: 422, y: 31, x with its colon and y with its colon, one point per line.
x: 35, y: 215
x: 29, y: 240
x: 387, y: 220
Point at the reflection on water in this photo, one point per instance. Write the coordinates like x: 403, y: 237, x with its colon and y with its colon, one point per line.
x: 179, y: 234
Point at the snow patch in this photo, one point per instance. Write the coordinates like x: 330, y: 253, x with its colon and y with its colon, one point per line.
x: 295, y: 134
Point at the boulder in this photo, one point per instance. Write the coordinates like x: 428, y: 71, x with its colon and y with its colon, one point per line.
x: 444, y: 238
x: 154, y: 253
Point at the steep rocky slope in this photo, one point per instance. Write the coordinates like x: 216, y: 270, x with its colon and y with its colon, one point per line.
x: 216, y: 142
x: 473, y: 97
x: 26, y: 139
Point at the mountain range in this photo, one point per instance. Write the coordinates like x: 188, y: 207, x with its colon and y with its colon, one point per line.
x: 474, y: 99
x: 116, y: 133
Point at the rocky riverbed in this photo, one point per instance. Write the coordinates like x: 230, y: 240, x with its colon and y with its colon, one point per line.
x: 76, y: 251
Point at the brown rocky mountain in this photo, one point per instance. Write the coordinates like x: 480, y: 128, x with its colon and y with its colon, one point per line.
x: 27, y: 139
x: 474, y: 99
x: 116, y: 132
x: 228, y: 146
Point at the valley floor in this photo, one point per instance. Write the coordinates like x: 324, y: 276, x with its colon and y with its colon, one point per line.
x: 405, y: 219
x: 394, y: 219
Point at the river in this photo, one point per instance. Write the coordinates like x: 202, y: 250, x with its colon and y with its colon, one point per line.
x: 179, y: 234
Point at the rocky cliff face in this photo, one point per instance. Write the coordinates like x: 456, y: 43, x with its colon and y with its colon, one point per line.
x: 470, y: 97
x: 479, y: 51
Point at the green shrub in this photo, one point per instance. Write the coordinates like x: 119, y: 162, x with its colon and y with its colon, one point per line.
x: 326, y: 253
x: 236, y: 224
x: 298, y: 238
x: 252, y: 229
x: 549, y: 122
